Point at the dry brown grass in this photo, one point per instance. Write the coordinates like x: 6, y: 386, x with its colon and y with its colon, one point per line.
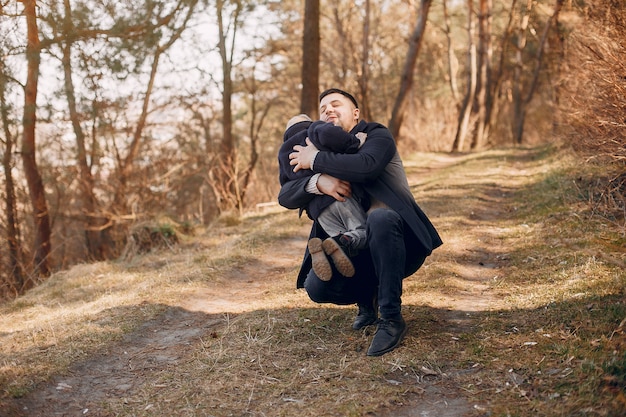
x: 591, y: 99
x: 520, y: 313
x: 594, y: 83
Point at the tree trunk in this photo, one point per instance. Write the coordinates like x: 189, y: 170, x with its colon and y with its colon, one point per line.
x: 343, y: 46
x: 483, y: 88
x: 127, y: 166
x: 453, y: 63
x: 119, y: 207
x: 311, y: 59
x: 41, y: 218
x: 92, y: 224
x: 540, y: 50
x: 257, y: 120
x: 466, y: 108
x: 408, y: 71
x: 365, y: 112
x: 493, y: 106
x: 227, y: 172
x: 521, y: 103
x: 17, y: 280
x: 518, y: 107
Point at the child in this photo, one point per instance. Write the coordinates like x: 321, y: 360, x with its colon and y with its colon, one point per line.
x: 343, y: 221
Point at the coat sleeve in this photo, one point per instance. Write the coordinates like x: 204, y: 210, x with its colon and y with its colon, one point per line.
x: 293, y: 195
x: 365, y: 165
x: 285, y: 170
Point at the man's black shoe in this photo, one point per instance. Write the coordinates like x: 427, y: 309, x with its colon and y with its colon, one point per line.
x: 368, y: 314
x: 388, y: 336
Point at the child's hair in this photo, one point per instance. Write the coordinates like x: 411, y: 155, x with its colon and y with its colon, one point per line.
x: 297, y: 119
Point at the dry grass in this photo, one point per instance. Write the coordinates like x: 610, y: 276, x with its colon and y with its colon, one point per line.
x: 593, y: 88
x: 591, y: 101
x: 520, y: 313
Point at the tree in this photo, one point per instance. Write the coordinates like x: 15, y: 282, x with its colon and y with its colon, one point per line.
x: 159, y: 47
x: 41, y: 218
x: 310, y: 58
x: 93, y: 223
x: 483, y: 86
x: 408, y: 70
x: 521, y: 102
x: 145, y: 36
x: 518, y: 110
x: 453, y: 63
x: 16, y: 280
x: 497, y: 79
x: 227, y: 171
x: 466, y: 107
x: 365, y: 65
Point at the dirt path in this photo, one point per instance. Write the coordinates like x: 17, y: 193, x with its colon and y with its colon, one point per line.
x: 172, y: 336
x: 475, y: 271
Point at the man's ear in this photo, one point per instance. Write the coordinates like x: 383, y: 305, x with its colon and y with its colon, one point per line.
x: 356, y: 114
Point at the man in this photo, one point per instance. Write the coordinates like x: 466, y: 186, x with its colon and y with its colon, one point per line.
x: 399, y: 235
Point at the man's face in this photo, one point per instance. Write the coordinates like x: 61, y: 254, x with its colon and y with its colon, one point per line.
x: 337, y: 109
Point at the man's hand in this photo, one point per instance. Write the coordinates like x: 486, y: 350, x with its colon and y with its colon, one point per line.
x: 302, y: 156
x: 340, y: 190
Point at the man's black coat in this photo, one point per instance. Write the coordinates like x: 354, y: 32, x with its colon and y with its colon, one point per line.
x: 378, y: 168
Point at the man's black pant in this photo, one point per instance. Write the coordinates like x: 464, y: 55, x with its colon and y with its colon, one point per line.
x: 379, y: 270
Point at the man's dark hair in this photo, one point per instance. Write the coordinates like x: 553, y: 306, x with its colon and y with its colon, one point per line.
x: 343, y: 93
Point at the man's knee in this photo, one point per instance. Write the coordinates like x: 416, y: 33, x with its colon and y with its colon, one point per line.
x: 315, y: 288
x: 339, y: 290
x: 383, y: 220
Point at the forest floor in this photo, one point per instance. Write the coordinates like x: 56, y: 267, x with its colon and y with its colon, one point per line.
x: 520, y: 313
